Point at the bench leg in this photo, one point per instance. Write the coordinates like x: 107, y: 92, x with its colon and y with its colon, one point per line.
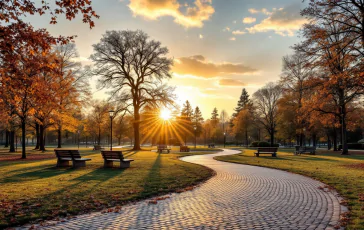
x: 62, y: 163
x: 257, y: 154
x: 274, y: 155
x: 124, y: 164
x: 108, y: 164
x: 78, y: 164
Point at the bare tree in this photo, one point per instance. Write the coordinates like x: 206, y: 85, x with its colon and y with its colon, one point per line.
x: 296, y: 70
x: 133, y: 67
x: 266, y: 104
x: 73, y: 84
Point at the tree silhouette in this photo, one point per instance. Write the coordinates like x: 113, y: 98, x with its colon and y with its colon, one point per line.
x: 266, y: 104
x: 133, y: 67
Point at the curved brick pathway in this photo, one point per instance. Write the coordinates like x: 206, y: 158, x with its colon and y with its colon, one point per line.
x: 238, y: 197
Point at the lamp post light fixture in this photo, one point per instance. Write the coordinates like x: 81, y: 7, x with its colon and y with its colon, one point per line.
x: 111, y: 114
x: 195, y: 128
x: 224, y: 139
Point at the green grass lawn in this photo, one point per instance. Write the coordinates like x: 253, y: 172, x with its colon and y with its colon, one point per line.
x: 344, y: 173
x: 35, y: 189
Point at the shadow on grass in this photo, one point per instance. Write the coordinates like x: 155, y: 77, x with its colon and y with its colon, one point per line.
x: 41, y: 173
x: 153, y: 179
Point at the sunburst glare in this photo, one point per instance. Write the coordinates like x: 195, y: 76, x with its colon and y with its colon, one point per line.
x: 165, y: 114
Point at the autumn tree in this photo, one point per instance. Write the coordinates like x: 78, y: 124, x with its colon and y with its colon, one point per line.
x: 72, y: 86
x: 100, y: 116
x: 295, y: 73
x: 340, y: 81
x: 133, y: 67
x: 266, y: 104
x: 348, y: 15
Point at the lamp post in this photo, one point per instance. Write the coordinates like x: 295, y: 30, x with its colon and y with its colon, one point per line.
x: 78, y: 138
x: 111, y: 114
x: 224, y: 139
x: 195, y: 128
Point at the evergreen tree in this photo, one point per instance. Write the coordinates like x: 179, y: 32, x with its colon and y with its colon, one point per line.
x: 215, y: 118
x: 243, y: 102
x: 186, y: 120
x: 214, y: 122
x: 197, y: 121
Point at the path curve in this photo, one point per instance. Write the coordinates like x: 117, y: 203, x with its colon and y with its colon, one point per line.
x: 238, y: 197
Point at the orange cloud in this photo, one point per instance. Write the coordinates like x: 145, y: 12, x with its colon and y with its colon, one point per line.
x: 198, y: 66
x: 283, y: 21
x: 249, y: 20
x: 183, y: 14
x: 231, y: 82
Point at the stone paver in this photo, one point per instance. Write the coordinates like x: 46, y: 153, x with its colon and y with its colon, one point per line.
x: 238, y: 197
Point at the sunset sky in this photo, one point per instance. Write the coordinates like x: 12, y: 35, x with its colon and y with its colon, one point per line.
x: 218, y: 46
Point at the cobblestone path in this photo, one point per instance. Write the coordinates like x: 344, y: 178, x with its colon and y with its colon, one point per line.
x: 238, y: 197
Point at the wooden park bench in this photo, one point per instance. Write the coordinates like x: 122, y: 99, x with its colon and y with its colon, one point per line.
x: 184, y: 148
x: 115, y: 156
x: 267, y: 150
x: 64, y: 156
x: 305, y: 149
x: 211, y: 145
x: 161, y: 148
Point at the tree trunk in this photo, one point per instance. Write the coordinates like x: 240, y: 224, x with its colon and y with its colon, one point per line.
x: 314, y: 140
x: 272, y: 138
x: 7, y: 134
x: 12, y: 141
x: 328, y: 142
x: 99, y: 137
x: 119, y: 141
x: 344, y: 140
x: 335, y: 140
x: 23, y: 153
x: 59, y: 136
x: 41, y: 138
x: 37, y: 135
x: 302, y: 138
x: 136, y: 129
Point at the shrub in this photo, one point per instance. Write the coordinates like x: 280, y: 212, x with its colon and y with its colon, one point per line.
x: 352, y: 146
x: 263, y: 144
x: 254, y: 144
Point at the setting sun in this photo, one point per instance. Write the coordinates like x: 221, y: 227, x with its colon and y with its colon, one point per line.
x: 165, y: 114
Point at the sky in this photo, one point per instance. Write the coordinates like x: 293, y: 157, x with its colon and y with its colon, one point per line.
x: 218, y: 46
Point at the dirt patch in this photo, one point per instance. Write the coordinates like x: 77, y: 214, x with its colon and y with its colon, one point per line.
x: 355, y: 166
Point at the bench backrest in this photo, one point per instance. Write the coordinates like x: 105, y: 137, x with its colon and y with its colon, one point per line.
x: 268, y: 149
x: 308, y: 148
x: 112, y: 155
x: 67, y: 153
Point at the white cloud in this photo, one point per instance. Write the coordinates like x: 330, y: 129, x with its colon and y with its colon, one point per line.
x: 232, y: 39
x: 283, y: 21
x: 200, y: 36
x: 263, y: 11
x: 238, y: 32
